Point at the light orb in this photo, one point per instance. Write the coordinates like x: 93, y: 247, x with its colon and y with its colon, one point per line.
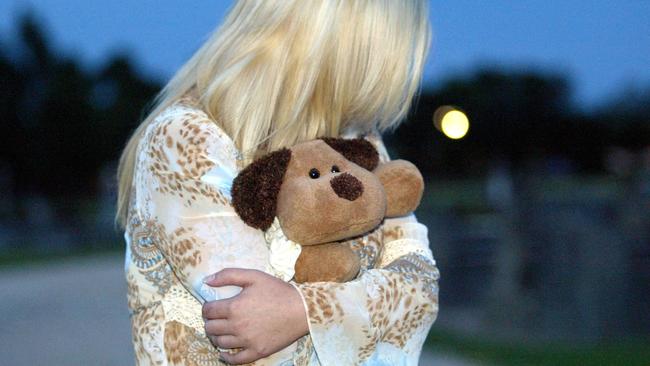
x: 452, y: 122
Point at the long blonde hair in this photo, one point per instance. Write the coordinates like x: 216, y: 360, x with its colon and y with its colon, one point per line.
x: 277, y: 72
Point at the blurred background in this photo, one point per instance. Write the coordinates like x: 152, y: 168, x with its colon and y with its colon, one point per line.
x: 532, y: 130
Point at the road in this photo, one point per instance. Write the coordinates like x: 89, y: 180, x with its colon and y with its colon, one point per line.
x: 73, y: 312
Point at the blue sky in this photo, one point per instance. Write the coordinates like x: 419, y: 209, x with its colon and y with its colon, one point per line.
x: 602, y: 46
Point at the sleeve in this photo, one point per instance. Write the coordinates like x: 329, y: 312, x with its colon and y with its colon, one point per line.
x: 384, y: 315
x: 187, y: 166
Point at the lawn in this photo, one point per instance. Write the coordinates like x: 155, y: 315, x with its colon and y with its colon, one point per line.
x: 629, y: 352
x: 14, y: 257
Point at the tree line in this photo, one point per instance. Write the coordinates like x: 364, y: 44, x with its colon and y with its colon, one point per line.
x: 519, y: 117
x: 61, y: 122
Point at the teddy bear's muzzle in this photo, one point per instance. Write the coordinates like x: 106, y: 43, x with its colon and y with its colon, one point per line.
x: 347, y: 186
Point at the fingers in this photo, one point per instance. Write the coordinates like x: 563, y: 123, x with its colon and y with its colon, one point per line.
x: 226, y: 341
x: 232, y: 277
x: 241, y: 357
x: 218, y: 309
x: 218, y: 327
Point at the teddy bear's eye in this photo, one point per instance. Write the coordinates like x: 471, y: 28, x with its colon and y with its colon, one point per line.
x: 314, y: 173
x: 335, y: 169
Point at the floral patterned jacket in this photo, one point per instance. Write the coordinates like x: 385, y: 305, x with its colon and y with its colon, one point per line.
x: 181, y: 228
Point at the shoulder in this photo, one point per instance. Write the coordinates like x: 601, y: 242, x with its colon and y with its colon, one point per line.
x: 185, y: 122
x: 182, y: 138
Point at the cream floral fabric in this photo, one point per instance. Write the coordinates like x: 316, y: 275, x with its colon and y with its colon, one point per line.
x: 181, y: 228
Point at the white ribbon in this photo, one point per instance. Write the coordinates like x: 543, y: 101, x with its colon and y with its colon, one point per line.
x: 283, y: 253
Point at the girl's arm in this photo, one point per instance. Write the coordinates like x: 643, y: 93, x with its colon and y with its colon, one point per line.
x: 384, y: 314
x: 184, y: 170
x: 183, y: 184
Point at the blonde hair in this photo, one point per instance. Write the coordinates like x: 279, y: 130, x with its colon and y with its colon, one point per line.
x: 282, y: 71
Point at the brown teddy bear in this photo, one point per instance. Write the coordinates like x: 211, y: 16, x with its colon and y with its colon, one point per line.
x: 322, y: 192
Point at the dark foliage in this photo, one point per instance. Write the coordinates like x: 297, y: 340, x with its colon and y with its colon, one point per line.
x: 518, y: 117
x: 61, y: 123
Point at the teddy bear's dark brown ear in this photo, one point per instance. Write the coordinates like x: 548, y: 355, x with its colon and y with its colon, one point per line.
x: 255, y: 189
x: 359, y: 151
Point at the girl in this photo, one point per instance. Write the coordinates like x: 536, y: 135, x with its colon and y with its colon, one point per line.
x: 277, y: 72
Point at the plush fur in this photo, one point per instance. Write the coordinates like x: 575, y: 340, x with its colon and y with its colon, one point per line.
x: 358, y: 151
x: 255, y: 190
x: 323, y: 191
x: 311, y: 212
x: 341, y: 263
x: 403, y: 184
x: 347, y: 186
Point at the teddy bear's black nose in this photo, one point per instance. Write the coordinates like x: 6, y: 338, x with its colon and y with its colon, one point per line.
x: 347, y: 186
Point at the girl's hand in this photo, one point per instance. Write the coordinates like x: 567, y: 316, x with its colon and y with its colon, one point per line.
x: 265, y: 317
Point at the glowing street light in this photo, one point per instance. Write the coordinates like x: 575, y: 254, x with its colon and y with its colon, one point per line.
x: 452, y: 122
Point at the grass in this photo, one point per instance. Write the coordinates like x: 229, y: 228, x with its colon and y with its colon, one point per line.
x: 494, y: 352
x: 470, y: 194
x: 14, y: 257
x: 453, y: 193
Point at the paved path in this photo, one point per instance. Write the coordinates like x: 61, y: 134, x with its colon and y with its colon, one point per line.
x: 65, y: 313
x: 74, y: 312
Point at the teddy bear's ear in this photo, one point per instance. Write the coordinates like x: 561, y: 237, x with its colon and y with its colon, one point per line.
x: 255, y: 189
x: 359, y: 151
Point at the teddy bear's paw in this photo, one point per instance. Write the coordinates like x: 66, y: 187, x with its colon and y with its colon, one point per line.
x: 333, y: 262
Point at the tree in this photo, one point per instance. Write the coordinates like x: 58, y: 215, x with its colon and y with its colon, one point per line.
x: 64, y: 123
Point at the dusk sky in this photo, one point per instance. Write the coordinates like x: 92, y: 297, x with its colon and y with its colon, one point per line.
x: 602, y: 46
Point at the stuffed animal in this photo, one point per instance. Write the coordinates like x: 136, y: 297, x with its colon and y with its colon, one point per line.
x: 322, y: 192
